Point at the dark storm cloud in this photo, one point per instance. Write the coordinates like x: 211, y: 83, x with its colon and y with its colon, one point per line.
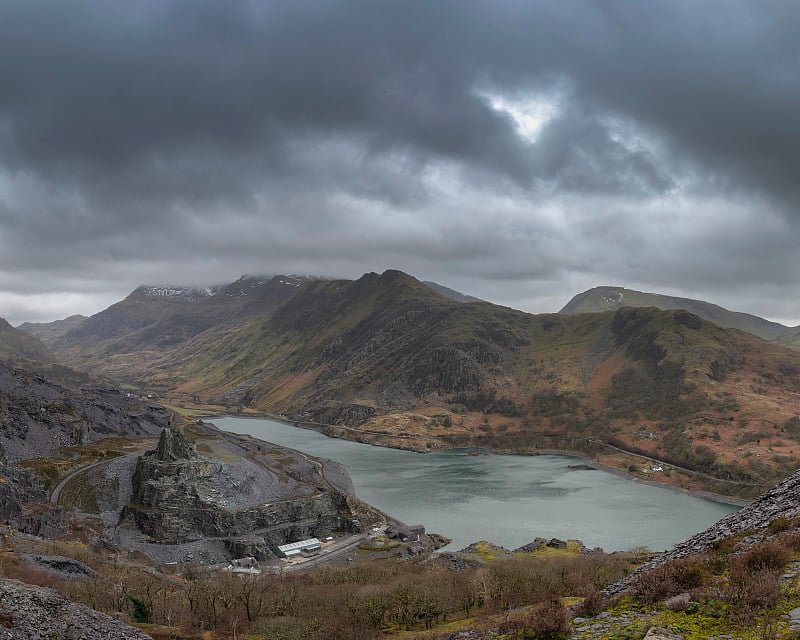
x: 195, y: 137
x: 92, y: 89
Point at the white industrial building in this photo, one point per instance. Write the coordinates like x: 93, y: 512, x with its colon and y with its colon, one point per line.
x: 297, y: 548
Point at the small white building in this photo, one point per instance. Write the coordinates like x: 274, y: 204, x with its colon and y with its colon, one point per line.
x: 294, y: 549
x: 250, y: 571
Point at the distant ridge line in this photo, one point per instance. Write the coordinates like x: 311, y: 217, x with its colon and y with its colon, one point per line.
x: 610, y: 298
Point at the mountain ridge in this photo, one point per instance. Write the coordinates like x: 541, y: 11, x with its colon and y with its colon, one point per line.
x: 609, y: 298
x: 16, y: 343
x: 386, y: 359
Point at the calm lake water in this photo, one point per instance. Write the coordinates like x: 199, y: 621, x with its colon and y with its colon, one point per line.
x: 506, y: 499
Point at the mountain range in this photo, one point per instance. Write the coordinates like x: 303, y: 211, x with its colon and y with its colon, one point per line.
x: 601, y: 299
x: 392, y: 360
x: 663, y: 394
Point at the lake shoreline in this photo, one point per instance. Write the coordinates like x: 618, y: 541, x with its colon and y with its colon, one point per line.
x: 330, y: 432
x: 706, y: 495
x: 499, y: 496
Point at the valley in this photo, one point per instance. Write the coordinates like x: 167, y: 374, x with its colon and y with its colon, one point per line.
x: 515, y: 354
x: 108, y: 445
x: 388, y: 360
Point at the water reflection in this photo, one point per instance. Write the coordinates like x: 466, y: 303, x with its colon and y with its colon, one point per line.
x: 509, y: 500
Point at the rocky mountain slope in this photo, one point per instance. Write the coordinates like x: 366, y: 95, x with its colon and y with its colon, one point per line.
x: 83, y: 445
x: 447, y: 292
x: 40, y: 420
x: 612, y: 298
x: 157, y: 317
x: 38, y: 417
x: 52, y: 333
x: 29, y: 612
x: 18, y: 488
x: 153, y: 320
x: 779, y: 505
x: 17, y: 344
x: 386, y: 359
x: 384, y: 355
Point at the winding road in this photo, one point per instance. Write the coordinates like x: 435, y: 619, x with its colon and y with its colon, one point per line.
x: 56, y: 494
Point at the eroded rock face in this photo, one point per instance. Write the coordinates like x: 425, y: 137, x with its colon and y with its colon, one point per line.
x: 180, y: 495
x: 36, y: 613
x: 173, y: 447
x: 37, y: 416
x: 18, y: 487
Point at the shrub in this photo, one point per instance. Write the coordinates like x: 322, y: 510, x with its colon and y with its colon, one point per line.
x: 780, y: 524
x: 592, y: 604
x: 752, y: 591
x: 724, y: 546
x: 769, y: 556
x: 670, y: 578
x: 790, y: 541
x: 546, y: 621
x: 754, y: 578
x: 140, y: 611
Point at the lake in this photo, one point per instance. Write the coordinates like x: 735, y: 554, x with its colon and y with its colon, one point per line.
x: 506, y: 499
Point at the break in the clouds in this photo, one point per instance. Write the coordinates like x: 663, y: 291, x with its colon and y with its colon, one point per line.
x: 520, y: 152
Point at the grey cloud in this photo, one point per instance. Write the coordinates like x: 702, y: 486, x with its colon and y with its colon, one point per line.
x: 111, y: 91
x: 205, y: 139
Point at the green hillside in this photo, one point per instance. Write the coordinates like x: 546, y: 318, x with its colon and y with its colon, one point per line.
x: 125, y: 338
x: 386, y: 355
x: 612, y: 298
x: 790, y: 338
x: 386, y: 359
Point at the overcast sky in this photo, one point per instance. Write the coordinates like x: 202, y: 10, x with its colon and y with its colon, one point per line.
x: 517, y: 151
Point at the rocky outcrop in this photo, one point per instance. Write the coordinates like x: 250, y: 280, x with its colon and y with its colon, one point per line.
x: 59, y: 566
x: 18, y: 487
x: 38, y: 417
x: 174, y: 447
x: 484, y: 546
x: 782, y: 501
x: 36, y: 613
x: 240, y: 495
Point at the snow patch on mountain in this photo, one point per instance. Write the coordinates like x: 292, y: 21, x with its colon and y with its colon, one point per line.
x: 187, y: 293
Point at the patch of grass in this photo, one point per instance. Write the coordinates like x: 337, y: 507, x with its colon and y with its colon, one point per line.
x: 713, y: 619
x: 189, y: 413
x: 486, y: 551
x: 79, y: 494
x: 366, y: 547
x: 53, y: 470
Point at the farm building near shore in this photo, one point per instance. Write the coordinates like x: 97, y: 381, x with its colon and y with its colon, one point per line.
x: 297, y: 548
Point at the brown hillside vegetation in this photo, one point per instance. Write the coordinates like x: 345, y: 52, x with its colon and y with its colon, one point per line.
x: 385, y: 359
x: 365, y: 600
